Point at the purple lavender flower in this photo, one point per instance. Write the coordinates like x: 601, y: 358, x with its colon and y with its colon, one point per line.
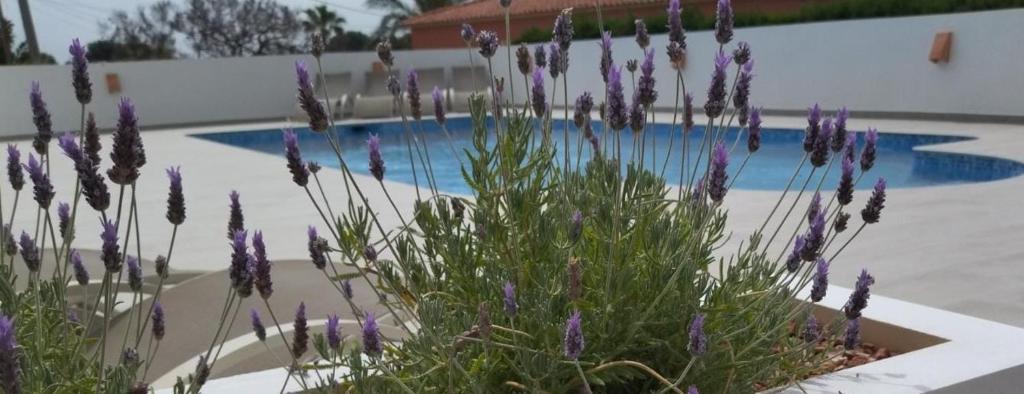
x: 438, y: 98
x: 94, y: 187
x: 741, y: 55
x: 376, y: 161
x: 384, y: 53
x: 575, y: 225
x: 573, y: 342
x: 81, y: 274
x: 676, y: 55
x: 261, y: 266
x: 175, y: 197
x: 316, y: 250
x: 134, y: 273
x: 867, y: 156
x: 160, y: 266
x: 645, y: 85
x: 819, y: 149
x: 42, y: 189
x: 488, y: 43
x: 159, y: 323
x: 307, y: 99
x: 741, y: 99
x: 842, y: 219
x: 820, y: 284
x: 852, y: 336
x: 606, y: 54
x: 793, y: 261
x: 616, y: 113
x: 692, y: 390
x: 92, y: 144
x: 41, y: 118
x: 346, y: 289
x: 371, y: 336
x: 110, y: 253
x: 554, y: 60
x: 412, y: 88
x: 754, y: 129
x: 317, y: 45
x: 637, y: 115
x: 723, y: 22
x: 675, y: 24
x: 873, y: 210
x: 814, y: 239
x: 839, y: 133
x: 850, y: 148
x: 511, y: 307
x: 814, y: 207
x: 812, y: 332
x: 844, y: 194
x: 483, y: 321
x: 698, y: 340
x: 537, y: 93
x: 575, y: 274
x: 300, y: 174
x: 236, y: 221
x: 80, y: 73
x: 333, y: 332
x: 563, y: 31
x: 392, y: 86
x: 300, y: 335
x: 467, y: 33
x: 14, y: 171
x: 29, y: 252
x: 540, y: 57
x: 643, y: 39
x: 523, y: 60
x: 688, y: 113
x: 716, y: 183
x: 10, y: 355
x: 813, y: 127
x: 584, y: 103
x: 127, y: 154
x: 369, y: 253
x: 64, y: 219
x: 716, y: 92
x: 257, y: 325
x: 238, y: 272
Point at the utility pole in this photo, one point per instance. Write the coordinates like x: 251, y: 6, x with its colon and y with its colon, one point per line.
x: 5, y: 48
x: 30, y: 31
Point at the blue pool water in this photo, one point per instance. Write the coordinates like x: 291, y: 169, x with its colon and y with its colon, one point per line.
x: 768, y: 169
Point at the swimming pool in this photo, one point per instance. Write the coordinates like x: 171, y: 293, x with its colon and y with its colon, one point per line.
x: 768, y: 169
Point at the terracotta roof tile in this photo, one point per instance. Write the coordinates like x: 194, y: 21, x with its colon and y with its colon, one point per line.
x: 491, y: 9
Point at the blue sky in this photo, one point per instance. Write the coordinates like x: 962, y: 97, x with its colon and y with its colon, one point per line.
x: 59, y: 21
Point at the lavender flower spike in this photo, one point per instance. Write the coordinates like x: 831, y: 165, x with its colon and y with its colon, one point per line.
x: 637, y: 115
x: 261, y: 266
x: 29, y: 252
x: 873, y: 210
x: 41, y: 118
x: 94, y: 187
x: 300, y: 173
x: 555, y: 63
x: 617, y: 113
x: 10, y: 367
x: 723, y: 22
x: 688, y: 113
x: 307, y: 99
x: 467, y: 33
x: 754, y: 131
x: 91, y: 144
x: 814, y: 207
x: 316, y: 249
x: 716, y: 92
x: 81, y: 274
x: 488, y: 43
x: 412, y: 88
x: 716, y: 183
x: 257, y: 325
x: 573, y: 342
x: 15, y: 174
x: 581, y: 116
x: 64, y: 219
x: 820, y: 147
x: 80, y: 72
x: 346, y: 289
x: 741, y: 98
x: 540, y: 56
x: 844, y: 194
x: 793, y: 261
x: 537, y: 93
x: 698, y: 340
x: 852, y: 337
x: 377, y: 167
x: 606, y: 54
x: 134, y: 273
x: 384, y: 53
x: 236, y: 221
x: 523, y: 60
x: 812, y: 332
x: 42, y: 189
x: 575, y: 274
x: 371, y: 336
x: 509, y: 298
x: 692, y: 390
x: 675, y: 24
x: 175, y: 197
x: 563, y: 31
x: 867, y: 156
x: 333, y: 334
x: 239, y: 269
x: 110, y: 253
x: 814, y: 239
x: 438, y: 98
x: 645, y: 85
x: 159, y: 323
x: 813, y: 127
x: 300, y: 336
x: 820, y: 283
x: 126, y: 154
x: 643, y: 39
x: 839, y: 134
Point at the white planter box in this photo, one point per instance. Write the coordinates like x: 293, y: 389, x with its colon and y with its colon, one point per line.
x: 940, y: 351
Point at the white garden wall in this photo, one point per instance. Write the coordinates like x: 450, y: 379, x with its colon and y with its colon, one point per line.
x: 877, y: 65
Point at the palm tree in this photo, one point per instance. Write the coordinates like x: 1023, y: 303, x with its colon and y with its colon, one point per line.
x: 399, y: 11
x: 322, y: 20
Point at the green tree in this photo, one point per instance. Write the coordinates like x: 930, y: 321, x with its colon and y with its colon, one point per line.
x: 321, y: 19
